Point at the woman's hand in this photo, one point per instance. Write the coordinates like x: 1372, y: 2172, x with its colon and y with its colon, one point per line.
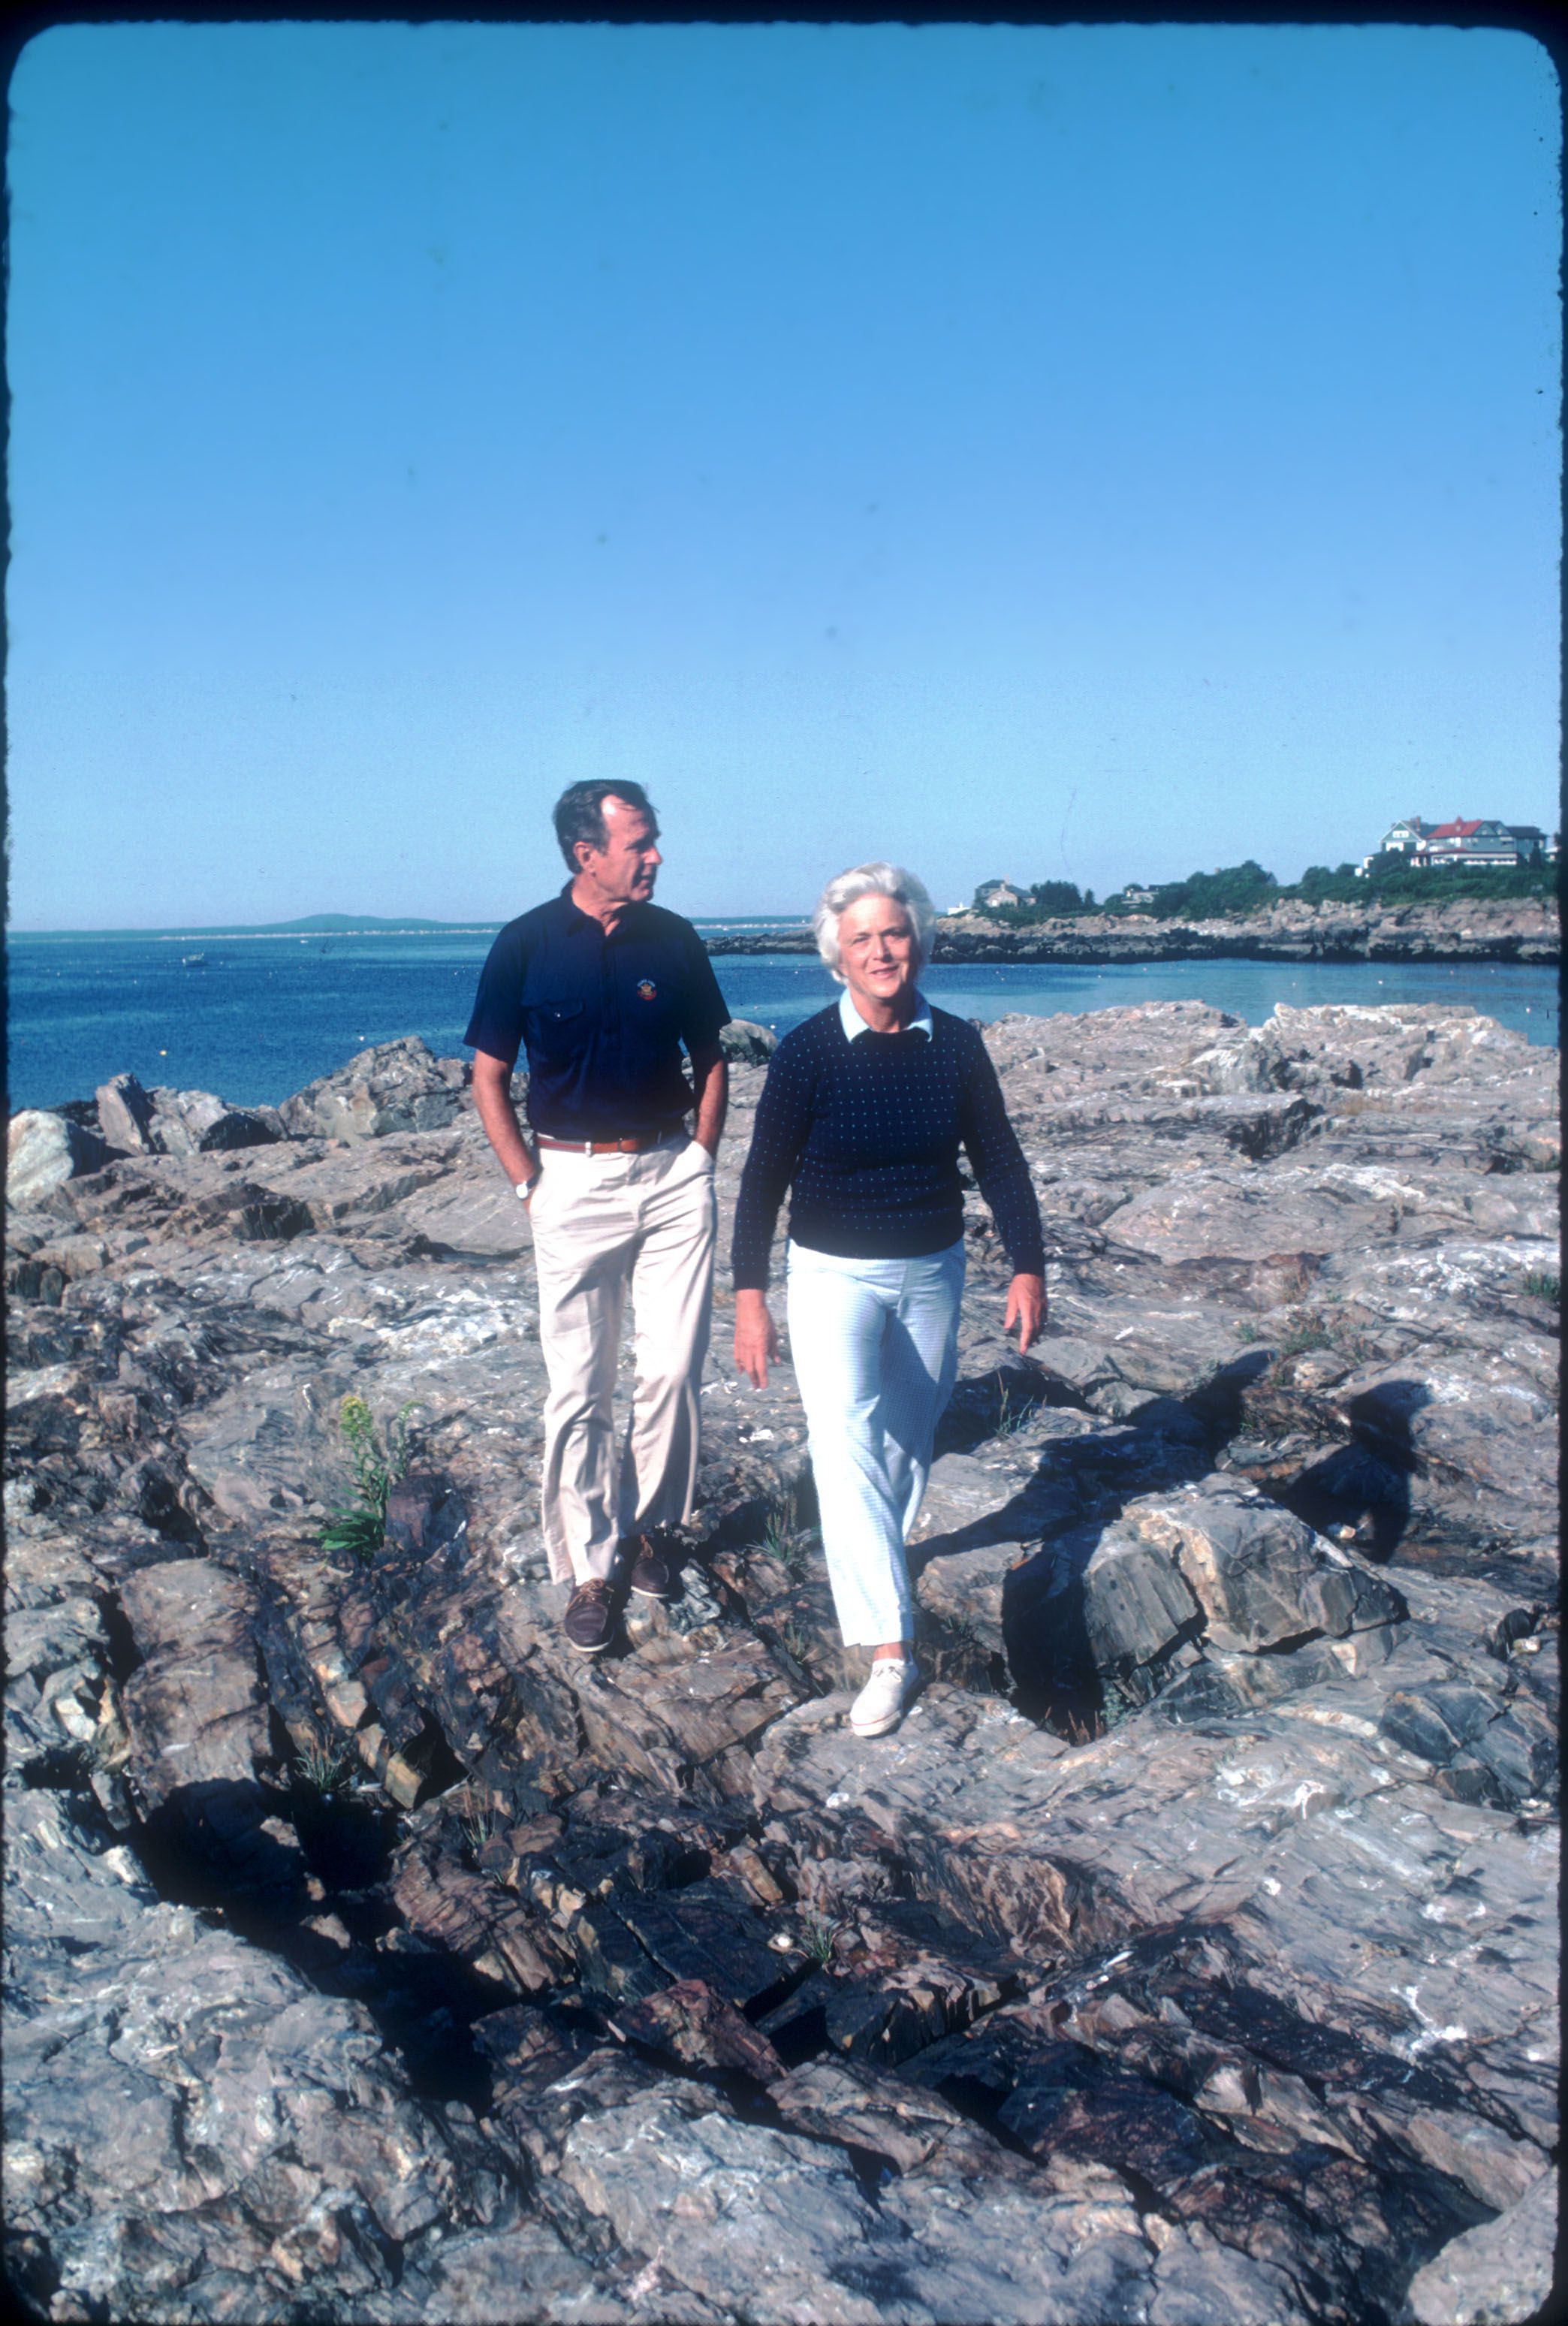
x: 1025, y: 1308
x: 755, y: 1340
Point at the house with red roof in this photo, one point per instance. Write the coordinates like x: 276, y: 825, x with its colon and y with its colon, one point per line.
x: 1480, y: 841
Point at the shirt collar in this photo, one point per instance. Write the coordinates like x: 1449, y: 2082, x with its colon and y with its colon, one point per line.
x: 575, y: 916
x: 854, y: 1025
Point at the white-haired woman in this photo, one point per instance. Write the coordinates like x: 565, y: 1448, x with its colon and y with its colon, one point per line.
x: 862, y: 1117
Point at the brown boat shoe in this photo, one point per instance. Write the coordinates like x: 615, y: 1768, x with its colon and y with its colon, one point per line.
x: 652, y: 1572
x: 592, y: 1614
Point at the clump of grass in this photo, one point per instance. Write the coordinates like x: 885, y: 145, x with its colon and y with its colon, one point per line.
x: 326, y: 1769
x: 1542, y: 1285
x: 782, y: 1533
x: 782, y: 1524
x: 797, y: 1640
x: 1247, y: 1332
x: 1012, y: 1416
x: 477, y: 1823
x: 1302, y: 1333
x: 358, y: 1532
x: 377, y: 1461
x: 821, y: 1934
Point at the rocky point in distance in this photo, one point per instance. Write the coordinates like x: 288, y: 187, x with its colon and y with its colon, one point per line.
x: 1189, y: 1953
x: 1455, y: 929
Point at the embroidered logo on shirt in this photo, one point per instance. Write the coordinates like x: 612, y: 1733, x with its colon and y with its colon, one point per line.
x: 646, y: 989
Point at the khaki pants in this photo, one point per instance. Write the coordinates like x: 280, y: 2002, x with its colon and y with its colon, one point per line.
x: 602, y: 1225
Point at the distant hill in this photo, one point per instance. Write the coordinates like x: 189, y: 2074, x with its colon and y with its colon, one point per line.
x: 327, y: 924
x: 313, y: 925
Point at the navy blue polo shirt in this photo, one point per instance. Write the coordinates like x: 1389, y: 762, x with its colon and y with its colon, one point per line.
x: 602, y: 1017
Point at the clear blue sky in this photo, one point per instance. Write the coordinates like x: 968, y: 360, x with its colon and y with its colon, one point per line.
x: 1076, y: 453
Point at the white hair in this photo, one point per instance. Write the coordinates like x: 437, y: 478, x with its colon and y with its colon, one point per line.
x: 873, y: 880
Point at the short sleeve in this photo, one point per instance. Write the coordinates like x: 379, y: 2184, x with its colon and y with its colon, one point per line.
x: 706, y: 1011
x: 496, y: 1024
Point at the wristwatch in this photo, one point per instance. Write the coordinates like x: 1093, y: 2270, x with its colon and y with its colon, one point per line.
x: 524, y: 1188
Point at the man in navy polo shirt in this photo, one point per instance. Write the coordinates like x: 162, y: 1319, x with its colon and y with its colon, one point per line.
x: 603, y: 989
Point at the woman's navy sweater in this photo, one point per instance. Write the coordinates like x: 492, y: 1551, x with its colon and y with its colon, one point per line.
x: 867, y: 1135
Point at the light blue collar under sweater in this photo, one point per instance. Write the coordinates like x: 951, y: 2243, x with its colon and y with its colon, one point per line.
x: 854, y: 1025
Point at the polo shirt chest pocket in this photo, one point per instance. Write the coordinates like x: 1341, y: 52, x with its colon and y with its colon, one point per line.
x: 555, y: 1028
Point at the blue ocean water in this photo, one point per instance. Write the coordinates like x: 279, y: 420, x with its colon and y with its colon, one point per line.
x: 255, y: 1017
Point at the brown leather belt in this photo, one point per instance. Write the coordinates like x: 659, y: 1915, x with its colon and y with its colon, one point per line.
x: 637, y: 1144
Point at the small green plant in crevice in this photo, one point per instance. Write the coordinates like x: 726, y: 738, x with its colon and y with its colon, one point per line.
x: 1246, y: 1332
x: 357, y: 1531
x: 781, y: 1524
x: 797, y: 1559
x: 475, y: 1823
x: 797, y: 1640
x: 1300, y: 1334
x: 1541, y: 1285
x: 325, y: 1769
x: 1116, y: 1704
x: 820, y: 1936
x: 377, y: 1462
x: 1012, y: 1415
x: 783, y: 1536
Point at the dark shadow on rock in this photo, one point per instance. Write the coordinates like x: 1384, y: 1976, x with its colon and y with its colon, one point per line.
x: 1046, y: 1636
x: 425, y: 2006
x: 63, y: 1768
x: 225, y: 1839
x: 1218, y: 1401
x: 1365, y: 1485
x: 1080, y: 1487
x: 986, y: 1403
x: 348, y: 1841
x: 245, y: 1854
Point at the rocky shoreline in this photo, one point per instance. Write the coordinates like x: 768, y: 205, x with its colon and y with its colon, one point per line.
x: 1189, y: 1954
x: 1292, y: 931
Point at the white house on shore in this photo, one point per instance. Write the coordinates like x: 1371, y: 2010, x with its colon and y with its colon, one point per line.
x: 1481, y: 843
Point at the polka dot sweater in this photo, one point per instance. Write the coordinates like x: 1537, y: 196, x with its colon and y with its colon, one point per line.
x: 867, y: 1136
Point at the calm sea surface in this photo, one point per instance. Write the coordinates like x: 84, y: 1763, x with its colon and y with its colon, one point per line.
x: 256, y: 1017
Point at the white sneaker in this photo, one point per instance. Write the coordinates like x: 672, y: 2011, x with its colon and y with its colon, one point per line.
x: 881, y: 1703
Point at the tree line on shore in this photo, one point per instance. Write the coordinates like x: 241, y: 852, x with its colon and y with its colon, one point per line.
x: 1236, y: 890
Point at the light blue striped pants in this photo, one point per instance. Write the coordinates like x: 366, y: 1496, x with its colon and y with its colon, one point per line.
x: 874, y: 1347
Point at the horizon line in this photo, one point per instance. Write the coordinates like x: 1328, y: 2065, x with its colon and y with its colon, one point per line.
x: 418, y: 925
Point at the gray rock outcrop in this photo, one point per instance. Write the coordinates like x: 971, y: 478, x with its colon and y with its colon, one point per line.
x: 746, y: 1044
x: 1189, y: 1951
x: 158, y: 1122
x: 1499, y: 2272
x: 1523, y: 929
x: 392, y: 1087
x: 42, y: 1152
